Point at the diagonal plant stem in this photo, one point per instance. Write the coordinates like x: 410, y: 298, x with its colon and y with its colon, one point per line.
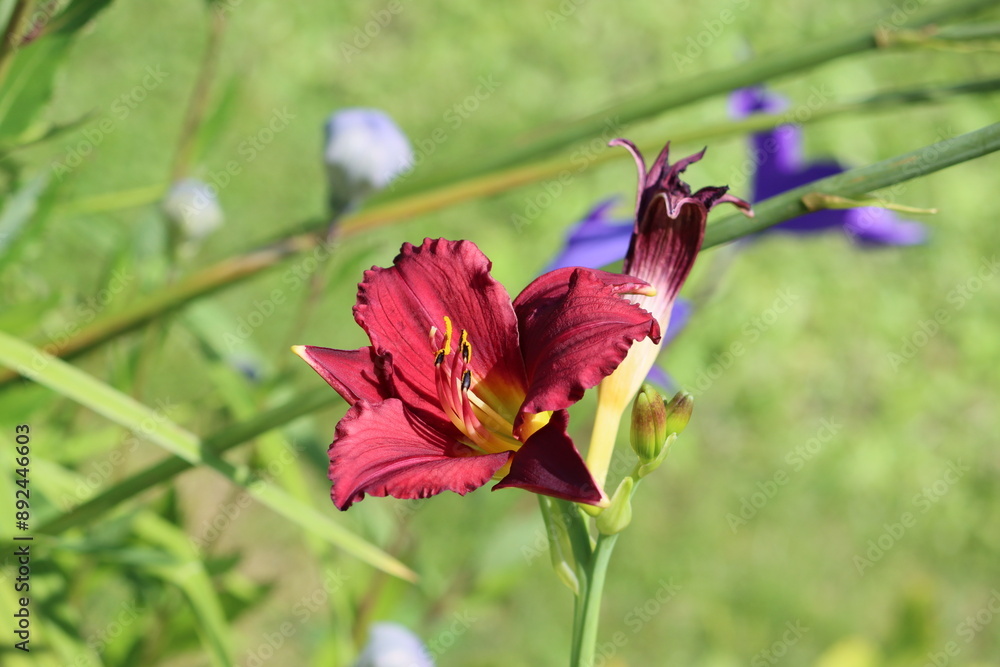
x: 857, y: 182
x: 199, y: 96
x: 216, y: 444
x: 673, y: 94
x: 107, y: 401
x: 11, y: 41
x: 769, y: 212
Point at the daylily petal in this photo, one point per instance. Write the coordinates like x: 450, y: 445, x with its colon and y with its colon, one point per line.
x: 549, y: 464
x: 398, y: 306
x: 666, y: 246
x: 384, y: 450
x: 575, y: 329
x: 353, y: 374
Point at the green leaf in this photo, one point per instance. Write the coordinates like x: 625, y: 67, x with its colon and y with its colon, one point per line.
x: 77, y: 15
x: 26, y: 89
x: 37, y: 134
x: 188, y: 573
x: 29, y: 203
x: 148, y: 424
x: 211, y: 130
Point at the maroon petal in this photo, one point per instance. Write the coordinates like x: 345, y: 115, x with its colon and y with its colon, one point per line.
x: 549, y: 464
x: 575, y: 329
x: 384, y: 450
x: 398, y: 306
x: 664, y: 249
x: 670, y: 224
x: 353, y: 374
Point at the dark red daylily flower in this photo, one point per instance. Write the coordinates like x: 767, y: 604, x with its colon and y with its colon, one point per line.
x: 459, y: 385
x: 666, y: 238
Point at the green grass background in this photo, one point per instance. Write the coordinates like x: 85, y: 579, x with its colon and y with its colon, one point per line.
x: 487, y: 594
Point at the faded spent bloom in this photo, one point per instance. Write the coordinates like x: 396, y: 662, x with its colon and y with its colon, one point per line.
x: 666, y: 238
x: 461, y: 385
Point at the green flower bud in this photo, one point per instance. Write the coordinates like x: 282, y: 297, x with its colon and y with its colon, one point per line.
x: 679, y: 411
x: 678, y: 414
x: 649, y: 424
x: 618, y: 515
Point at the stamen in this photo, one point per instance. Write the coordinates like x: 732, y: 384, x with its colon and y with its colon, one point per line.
x: 447, y: 335
x: 439, y: 358
x: 466, y: 380
x: 487, y: 414
x: 466, y: 347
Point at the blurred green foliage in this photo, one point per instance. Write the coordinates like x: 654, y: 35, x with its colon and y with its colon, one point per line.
x: 829, y: 504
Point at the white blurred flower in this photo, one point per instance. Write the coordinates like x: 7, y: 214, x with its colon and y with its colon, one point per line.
x: 392, y: 645
x: 193, y: 207
x: 364, y: 151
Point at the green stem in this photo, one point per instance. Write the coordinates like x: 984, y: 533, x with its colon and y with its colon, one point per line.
x: 10, y: 36
x: 857, y: 182
x: 199, y: 96
x: 215, y: 444
x: 699, y: 86
x: 587, y: 613
x: 769, y: 212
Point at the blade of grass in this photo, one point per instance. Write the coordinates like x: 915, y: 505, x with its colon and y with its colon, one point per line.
x: 109, y: 402
x: 160, y: 472
x: 187, y: 572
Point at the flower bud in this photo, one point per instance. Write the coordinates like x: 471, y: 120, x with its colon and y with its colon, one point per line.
x: 649, y: 424
x: 679, y: 411
x: 364, y: 151
x: 618, y: 515
x: 191, y: 205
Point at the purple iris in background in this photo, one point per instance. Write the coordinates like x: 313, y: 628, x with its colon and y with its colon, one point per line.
x: 780, y: 167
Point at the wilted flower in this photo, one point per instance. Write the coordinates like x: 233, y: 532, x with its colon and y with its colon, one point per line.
x: 393, y: 645
x: 192, y: 206
x: 666, y: 238
x: 460, y: 385
x: 599, y: 240
x: 780, y: 167
x: 364, y: 151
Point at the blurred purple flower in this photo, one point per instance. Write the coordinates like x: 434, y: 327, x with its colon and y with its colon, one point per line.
x: 393, y: 645
x: 363, y: 151
x: 777, y: 154
x: 595, y: 241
